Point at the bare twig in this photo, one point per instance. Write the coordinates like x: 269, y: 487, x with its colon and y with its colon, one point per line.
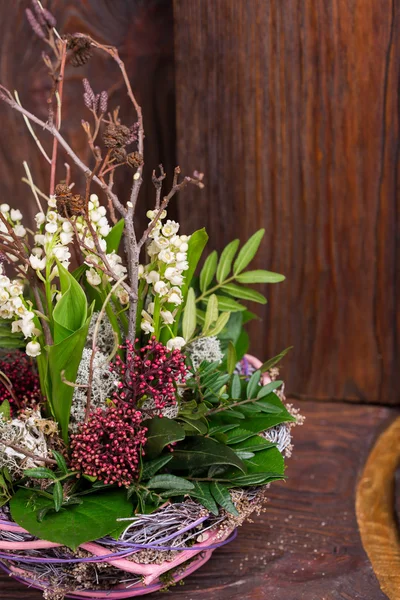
x: 47, y: 461
x: 32, y: 186
x: 59, y: 95
x: 31, y: 131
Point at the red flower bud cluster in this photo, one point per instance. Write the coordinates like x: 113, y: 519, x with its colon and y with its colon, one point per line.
x: 149, y: 373
x: 19, y: 384
x: 109, y: 445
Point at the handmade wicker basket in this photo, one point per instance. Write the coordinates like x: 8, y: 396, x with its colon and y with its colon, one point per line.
x: 32, y: 561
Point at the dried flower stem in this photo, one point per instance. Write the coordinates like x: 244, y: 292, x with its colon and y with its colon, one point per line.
x: 31, y: 131
x: 47, y: 461
x: 59, y: 96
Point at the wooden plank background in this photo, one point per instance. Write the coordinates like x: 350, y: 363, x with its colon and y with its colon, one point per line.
x: 291, y: 109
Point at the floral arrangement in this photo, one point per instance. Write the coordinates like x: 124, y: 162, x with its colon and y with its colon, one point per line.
x: 135, y: 433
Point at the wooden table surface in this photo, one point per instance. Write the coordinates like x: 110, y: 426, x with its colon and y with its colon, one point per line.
x: 305, y: 546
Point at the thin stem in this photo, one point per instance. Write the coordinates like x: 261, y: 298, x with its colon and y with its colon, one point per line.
x: 47, y: 461
x: 215, y: 288
x: 31, y: 131
x: 59, y: 95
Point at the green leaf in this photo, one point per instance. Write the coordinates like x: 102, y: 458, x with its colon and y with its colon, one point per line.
x: 238, y: 435
x: 220, y: 323
x: 189, y: 316
x: 238, y: 291
x: 113, y: 239
x: 275, y: 360
x: 260, y: 276
x: 225, y: 303
x: 211, y: 313
x: 208, y: 271
x: 64, y: 357
x: 151, y: 467
x: 57, y: 496
x: 231, y: 358
x: 266, y: 461
x: 169, y: 482
x: 253, y: 384
x: 225, y: 262
x: 236, y: 387
x: 201, y: 492
x: 8, y: 339
x: 70, y: 312
x: 161, y: 432
x: 198, y: 452
x: 196, y: 426
x: 256, y: 479
x: 270, y: 387
x: 255, y: 443
x: 94, y: 518
x: 39, y: 473
x: 197, y: 243
x: 222, y: 496
x: 62, y: 465
x: 248, y: 251
x: 5, y: 410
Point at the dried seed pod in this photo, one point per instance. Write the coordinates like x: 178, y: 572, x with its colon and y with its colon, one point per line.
x: 135, y: 160
x: 116, y: 135
x: 81, y: 50
x: 119, y: 154
x: 69, y: 204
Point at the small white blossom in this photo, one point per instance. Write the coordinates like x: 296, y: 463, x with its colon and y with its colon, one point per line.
x: 170, y: 228
x: 176, y: 343
x: 93, y: 277
x: 66, y: 238
x: 166, y: 256
x: 5, y: 208
x: 15, y: 214
x: 122, y: 296
x: 152, y: 277
x: 40, y: 218
x: 33, y: 349
x: 19, y: 230
x: 37, y: 263
x: 167, y: 316
x: 51, y: 227
x: 146, y: 326
x: 160, y: 288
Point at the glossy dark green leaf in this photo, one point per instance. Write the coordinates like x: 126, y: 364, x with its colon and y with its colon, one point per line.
x: 253, y: 384
x: 161, y: 432
x: 222, y: 497
x: 201, y: 492
x: 151, y: 467
x: 198, y: 452
x: 255, y: 443
x: 57, y: 495
x: 62, y: 465
x: 39, y: 473
x: 169, y: 482
x: 94, y: 518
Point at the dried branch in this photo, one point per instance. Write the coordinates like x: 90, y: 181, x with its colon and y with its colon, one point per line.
x: 59, y: 96
x: 47, y: 461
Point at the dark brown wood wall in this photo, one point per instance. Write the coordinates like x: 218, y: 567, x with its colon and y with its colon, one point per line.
x: 291, y: 108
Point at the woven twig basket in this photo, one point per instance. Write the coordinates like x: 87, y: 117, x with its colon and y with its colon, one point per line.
x: 186, y: 560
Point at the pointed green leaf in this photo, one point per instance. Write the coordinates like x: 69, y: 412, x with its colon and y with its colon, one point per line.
x: 113, y: 239
x: 70, y: 312
x: 189, y: 316
x: 222, y: 496
x: 231, y: 358
x: 208, y: 271
x: 254, y: 443
x: 248, y: 251
x: 203, y: 495
x: 260, y: 276
x: 211, y: 313
x: 62, y: 465
x: 169, y: 482
x: 236, y: 387
x: 253, y: 384
x: 39, y: 473
x: 275, y: 360
x: 198, y: 452
x: 225, y: 303
x: 57, y: 495
x: 270, y: 387
x: 161, y: 432
x: 225, y: 262
x: 220, y: 323
x: 245, y: 293
x: 151, y: 467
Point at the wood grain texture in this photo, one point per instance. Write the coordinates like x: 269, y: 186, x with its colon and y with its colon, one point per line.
x: 376, y: 514
x: 290, y: 107
x: 306, y: 545
x: 142, y: 31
